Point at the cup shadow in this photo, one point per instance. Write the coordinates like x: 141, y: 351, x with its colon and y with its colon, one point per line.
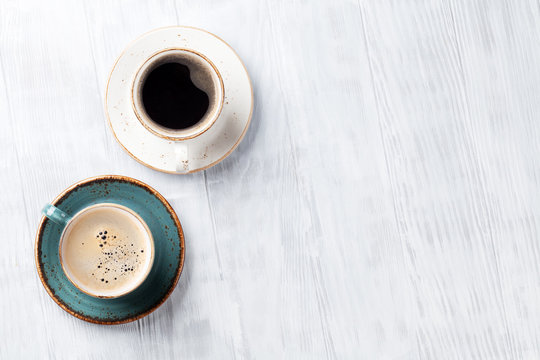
x: 239, y: 154
x: 165, y: 314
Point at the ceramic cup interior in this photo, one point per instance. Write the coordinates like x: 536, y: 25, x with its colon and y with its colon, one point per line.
x: 106, y: 250
x: 203, y: 75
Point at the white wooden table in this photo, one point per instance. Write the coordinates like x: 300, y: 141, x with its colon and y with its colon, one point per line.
x: 383, y: 205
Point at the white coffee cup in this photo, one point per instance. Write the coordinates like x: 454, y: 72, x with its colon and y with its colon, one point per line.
x: 204, y: 76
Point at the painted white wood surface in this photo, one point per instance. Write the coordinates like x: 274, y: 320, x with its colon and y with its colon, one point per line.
x: 383, y: 205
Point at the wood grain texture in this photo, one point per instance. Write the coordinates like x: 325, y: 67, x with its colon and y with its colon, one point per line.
x: 383, y: 205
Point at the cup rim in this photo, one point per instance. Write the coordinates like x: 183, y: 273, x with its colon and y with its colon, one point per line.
x: 140, y: 113
x: 139, y: 281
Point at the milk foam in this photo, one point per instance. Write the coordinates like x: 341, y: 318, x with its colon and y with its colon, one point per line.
x: 106, y: 250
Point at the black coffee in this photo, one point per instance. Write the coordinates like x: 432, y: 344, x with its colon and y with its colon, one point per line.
x: 171, y: 99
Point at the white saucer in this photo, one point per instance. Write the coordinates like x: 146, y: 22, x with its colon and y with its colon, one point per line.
x: 205, y: 150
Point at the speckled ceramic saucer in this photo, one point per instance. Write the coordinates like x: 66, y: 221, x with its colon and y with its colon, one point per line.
x: 158, y: 150
x: 168, y: 241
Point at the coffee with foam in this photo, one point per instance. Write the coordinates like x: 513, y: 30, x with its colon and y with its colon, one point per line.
x: 106, y: 250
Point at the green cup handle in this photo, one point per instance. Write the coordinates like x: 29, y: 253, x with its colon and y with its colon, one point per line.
x: 56, y: 215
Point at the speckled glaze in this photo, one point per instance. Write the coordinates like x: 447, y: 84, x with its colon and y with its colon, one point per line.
x: 168, y: 242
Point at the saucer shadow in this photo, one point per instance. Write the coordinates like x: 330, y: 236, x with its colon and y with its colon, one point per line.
x: 165, y: 314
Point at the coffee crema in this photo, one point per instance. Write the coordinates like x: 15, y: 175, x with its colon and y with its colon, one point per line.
x: 106, y: 250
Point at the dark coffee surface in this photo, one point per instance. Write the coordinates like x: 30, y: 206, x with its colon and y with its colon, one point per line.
x: 171, y: 99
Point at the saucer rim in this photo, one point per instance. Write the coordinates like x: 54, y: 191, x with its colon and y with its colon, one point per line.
x: 201, y: 168
x: 170, y: 210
